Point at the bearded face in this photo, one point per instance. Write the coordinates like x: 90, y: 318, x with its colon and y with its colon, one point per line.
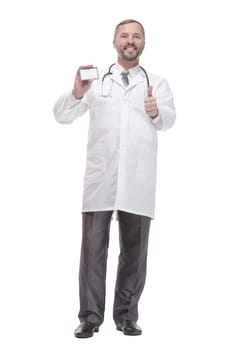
x: 129, y: 42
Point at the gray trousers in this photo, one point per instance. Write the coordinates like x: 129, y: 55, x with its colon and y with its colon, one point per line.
x: 131, y: 274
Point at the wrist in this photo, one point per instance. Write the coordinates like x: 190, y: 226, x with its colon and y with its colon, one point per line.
x: 78, y: 97
x: 154, y: 116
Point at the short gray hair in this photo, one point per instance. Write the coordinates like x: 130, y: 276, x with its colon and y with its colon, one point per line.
x: 126, y: 21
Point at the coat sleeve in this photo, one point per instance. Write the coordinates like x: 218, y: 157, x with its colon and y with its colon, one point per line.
x: 68, y: 108
x: 166, y: 107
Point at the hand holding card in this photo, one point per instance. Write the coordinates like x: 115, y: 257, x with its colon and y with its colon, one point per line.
x: 83, y: 80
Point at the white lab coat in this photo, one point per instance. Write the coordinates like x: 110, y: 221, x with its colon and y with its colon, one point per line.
x: 122, y: 140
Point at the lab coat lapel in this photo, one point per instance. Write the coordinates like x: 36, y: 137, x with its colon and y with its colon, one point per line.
x: 117, y: 78
x: 139, y: 78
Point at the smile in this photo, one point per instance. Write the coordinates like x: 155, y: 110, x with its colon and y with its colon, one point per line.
x: 130, y: 47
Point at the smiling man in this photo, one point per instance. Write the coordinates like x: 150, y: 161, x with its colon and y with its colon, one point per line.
x: 127, y: 107
x: 129, y: 41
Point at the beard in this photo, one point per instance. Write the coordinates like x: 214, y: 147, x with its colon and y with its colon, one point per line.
x: 130, y: 56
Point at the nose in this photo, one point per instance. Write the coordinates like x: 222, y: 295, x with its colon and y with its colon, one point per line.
x: 130, y: 39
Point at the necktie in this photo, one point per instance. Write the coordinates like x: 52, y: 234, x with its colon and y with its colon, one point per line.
x: 124, y: 77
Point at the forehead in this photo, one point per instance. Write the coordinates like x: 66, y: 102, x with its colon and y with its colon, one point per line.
x: 130, y: 28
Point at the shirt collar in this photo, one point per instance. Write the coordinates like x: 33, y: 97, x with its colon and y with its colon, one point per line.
x: 132, y: 71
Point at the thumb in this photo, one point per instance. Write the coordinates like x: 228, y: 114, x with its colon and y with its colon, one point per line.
x: 149, y: 91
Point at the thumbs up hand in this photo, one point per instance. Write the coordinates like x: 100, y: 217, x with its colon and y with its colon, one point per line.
x: 150, y: 104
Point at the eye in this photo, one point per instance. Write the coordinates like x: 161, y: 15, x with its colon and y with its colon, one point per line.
x: 137, y: 36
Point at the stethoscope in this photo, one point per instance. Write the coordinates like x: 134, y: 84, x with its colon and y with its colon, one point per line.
x: 109, y: 72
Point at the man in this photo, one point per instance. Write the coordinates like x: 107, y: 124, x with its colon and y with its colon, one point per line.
x: 126, y: 110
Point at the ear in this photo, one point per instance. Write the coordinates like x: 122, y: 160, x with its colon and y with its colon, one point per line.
x: 113, y: 43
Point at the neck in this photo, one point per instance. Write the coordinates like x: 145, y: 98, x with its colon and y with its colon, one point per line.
x: 127, y: 64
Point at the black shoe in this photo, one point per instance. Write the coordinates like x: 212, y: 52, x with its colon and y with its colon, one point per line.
x: 129, y: 328
x: 85, y: 330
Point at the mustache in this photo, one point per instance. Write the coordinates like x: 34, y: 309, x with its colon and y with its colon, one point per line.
x: 130, y: 45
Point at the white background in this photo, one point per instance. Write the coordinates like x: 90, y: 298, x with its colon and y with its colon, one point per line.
x: 187, y: 303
